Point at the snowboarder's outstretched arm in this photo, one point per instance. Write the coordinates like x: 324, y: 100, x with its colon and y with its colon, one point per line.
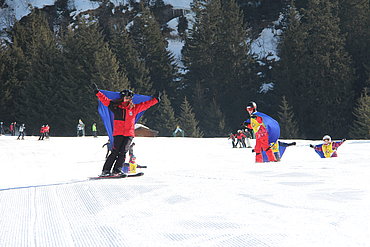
x: 103, y: 99
x: 318, y: 148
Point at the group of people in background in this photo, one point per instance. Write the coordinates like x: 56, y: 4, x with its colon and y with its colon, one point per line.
x: 12, y: 129
x: 44, y: 132
x: 267, y: 133
x: 81, y: 129
x: 241, y: 139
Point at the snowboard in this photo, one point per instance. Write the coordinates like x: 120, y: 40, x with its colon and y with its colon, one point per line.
x: 139, y: 174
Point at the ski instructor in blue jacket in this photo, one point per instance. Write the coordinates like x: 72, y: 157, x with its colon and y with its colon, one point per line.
x: 125, y: 112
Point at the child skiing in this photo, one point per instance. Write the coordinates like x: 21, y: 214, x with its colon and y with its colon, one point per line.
x: 328, y: 149
x: 125, y: 112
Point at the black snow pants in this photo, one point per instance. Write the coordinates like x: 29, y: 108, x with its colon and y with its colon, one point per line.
x: 117, y: 157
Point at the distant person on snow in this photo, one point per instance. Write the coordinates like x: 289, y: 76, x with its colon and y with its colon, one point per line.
x: 240, y: 137
x: 248, y: 136
x: 2, y: 132
x: 12, y: 128
x: 328, y: 149
x: 80, y: 128
x: 94, y: 130
x: 42, y: 133
x: 178, y: 129
x: 47, y: 131
x: 125, y: 112
x: 233, y: 138
x: 22, y: 128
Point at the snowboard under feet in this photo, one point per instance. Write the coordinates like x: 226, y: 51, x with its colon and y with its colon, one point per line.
x: 119, y: 176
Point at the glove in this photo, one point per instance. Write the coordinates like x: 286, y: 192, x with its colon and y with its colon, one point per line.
x: 312, y: 146
x: 253, y: 151
x: 343, y: 140
x: 158, y: 96
x: 293, y: 143
x: 95, y: 87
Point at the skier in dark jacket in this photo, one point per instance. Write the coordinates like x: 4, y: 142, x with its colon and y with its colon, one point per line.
x: 125, y: 112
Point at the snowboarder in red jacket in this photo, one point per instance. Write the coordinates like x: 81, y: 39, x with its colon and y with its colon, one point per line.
x: 125, y: 112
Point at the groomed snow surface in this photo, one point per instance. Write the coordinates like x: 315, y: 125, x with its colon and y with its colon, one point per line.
x: 195, y: 192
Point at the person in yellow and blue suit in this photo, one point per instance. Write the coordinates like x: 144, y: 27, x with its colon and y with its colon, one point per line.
x: 266, y: 130
x: 328, y: 149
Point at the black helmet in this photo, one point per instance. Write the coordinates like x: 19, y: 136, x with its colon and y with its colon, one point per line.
x: 126, y: 93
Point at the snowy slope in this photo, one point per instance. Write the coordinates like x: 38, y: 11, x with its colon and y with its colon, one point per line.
x: 195, y: 192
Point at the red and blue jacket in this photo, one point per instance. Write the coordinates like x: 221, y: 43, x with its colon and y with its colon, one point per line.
x: 125, y: 114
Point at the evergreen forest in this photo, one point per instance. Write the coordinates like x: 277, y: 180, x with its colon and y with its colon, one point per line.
x: 320, y: 80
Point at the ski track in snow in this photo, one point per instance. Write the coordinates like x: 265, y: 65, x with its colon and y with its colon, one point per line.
x: 195, y: 192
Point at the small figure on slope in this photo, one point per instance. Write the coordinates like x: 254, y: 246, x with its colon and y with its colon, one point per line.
x: 47, y: 131
x: 328, y: 149
x: 232, y: 137
x: 178, y: 129
x: 42, y: 133
x: 22, y: 128
x: 94, y: 130
x: 2, y: 132
x: 80, y: 128
x: 240, y: 136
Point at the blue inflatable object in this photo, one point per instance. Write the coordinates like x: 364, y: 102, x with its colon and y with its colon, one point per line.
x: 320, y: 153
x: 108, y: 117
x: 272, y: 126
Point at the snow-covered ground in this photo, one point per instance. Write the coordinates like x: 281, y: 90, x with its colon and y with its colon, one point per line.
x: 195, y: 192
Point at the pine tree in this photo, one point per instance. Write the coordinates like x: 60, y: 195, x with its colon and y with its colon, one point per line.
x: 34, y: 37
x: 188, y: 121
x: 319, y: 76
x: 361, y: 125
x: 354, y: 24
x: 130, y: 62
x: 162, y: 117
x: 89, y: 59
x: 288, y: 125
x: 329, y: 73
x: 219, y: 67
x: 151, y: 46
x: 12, y: 76
x: 213, y: 124
x: 291, y: 49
